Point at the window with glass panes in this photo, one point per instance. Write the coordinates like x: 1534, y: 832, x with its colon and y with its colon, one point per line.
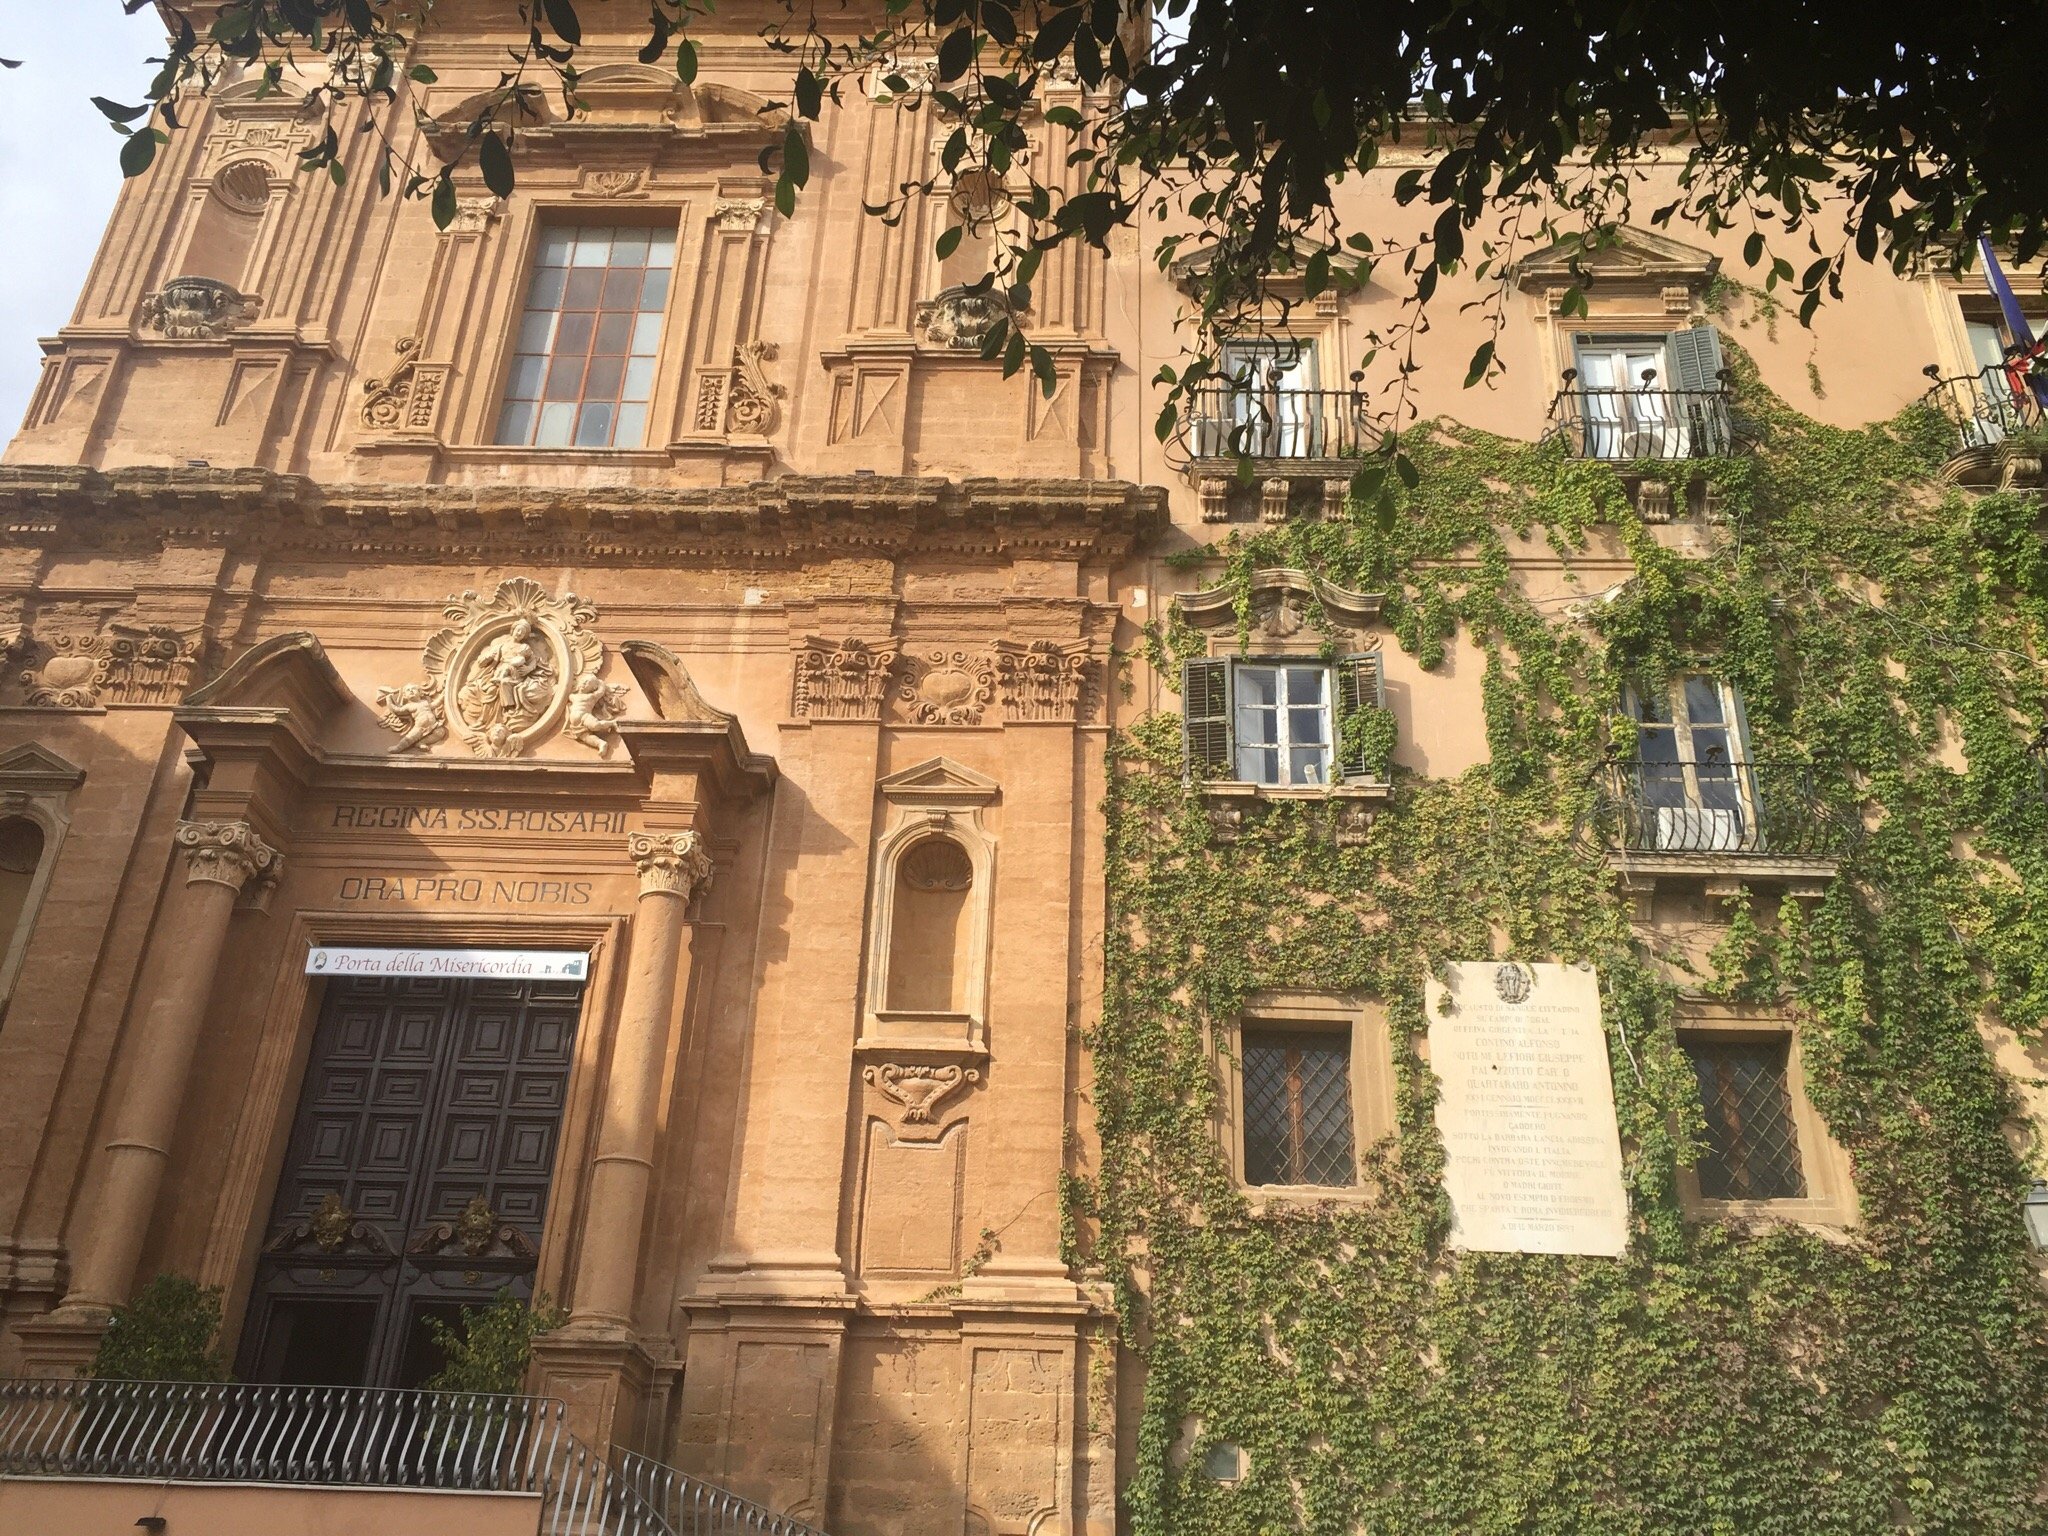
x: 1283, y: 723
x: 583, y: 370
x: 1752, y: 1150
x: 1688, y: 763
x: 1297, y: 1107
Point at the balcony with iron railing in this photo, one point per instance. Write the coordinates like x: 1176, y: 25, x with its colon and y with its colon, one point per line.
x: 1727, y: 822
x: 79, y: 1437
x: 1995, y: 424
x: 1644, y: 422
x: 1303, y: 444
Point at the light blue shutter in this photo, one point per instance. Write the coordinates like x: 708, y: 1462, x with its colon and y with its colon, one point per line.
x: 1695, y: 357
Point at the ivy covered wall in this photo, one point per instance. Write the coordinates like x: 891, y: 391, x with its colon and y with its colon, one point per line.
x: 1722, y: 1380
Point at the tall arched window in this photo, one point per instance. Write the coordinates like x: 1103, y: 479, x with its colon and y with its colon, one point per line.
x: 35, y: 810
x: 21, y: 855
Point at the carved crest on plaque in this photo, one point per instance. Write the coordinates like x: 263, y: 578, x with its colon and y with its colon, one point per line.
x: 1511, y: 982
x: 511, y: 669
x: 198, y: 308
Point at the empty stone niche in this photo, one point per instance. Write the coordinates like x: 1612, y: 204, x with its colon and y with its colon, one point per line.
x: 932, y: 889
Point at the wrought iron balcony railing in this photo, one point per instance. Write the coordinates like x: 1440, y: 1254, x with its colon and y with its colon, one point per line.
x: 1644, y: 422
x: 1984, y: 408
x: 1266, y: 421
x: 1740, y: 810
x: 361, y: 1437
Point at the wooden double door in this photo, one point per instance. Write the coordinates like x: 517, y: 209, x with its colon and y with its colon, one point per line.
x: 416, y: 1181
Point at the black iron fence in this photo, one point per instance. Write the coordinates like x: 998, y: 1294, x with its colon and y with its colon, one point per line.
x: 1720, y: 807
x: 361, y: 1437
x: 1644, y: 422
x: 1231, y: 420
x: 1986, y: 407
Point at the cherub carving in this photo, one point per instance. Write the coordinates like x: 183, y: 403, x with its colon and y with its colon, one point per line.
x: 593, y: 707
x: 413, y: 712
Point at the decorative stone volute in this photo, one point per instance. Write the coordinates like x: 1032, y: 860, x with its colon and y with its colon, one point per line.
x: 1043, y: 680
x: 674, y: 863
x: 222, y: 852
x: 842, y: 680
x: 918, y: 1089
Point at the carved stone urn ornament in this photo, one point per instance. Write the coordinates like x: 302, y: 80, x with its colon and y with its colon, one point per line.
x: 510, y: 670
x: 198, y: 308
x: 918, y: 1088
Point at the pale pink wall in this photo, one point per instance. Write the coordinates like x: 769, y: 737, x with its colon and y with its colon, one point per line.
x: 80, y: 1507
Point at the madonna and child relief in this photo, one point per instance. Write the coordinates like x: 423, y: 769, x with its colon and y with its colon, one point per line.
x: 510, y: 670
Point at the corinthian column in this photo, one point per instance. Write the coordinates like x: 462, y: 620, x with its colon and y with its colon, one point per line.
x: 673, y: 867
x: 219, y: 857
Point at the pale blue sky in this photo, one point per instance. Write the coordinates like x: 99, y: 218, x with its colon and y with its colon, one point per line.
x: 58, y: 175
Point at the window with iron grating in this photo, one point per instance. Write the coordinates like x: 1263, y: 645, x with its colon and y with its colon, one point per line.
x: 1297, y: 1107
x: 1752, y: 1143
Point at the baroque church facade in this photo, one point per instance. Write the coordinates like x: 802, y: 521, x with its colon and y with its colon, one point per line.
x: 567, y: 752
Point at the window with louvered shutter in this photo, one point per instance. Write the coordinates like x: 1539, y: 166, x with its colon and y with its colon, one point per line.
x: 1695, y: 357
x: 1205, y: 715
x: 1297, y: 1107
x: 1360, y: 685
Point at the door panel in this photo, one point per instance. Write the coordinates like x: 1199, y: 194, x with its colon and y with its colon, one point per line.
x: 416, y: 1180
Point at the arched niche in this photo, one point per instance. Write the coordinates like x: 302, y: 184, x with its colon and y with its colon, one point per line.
x: 36, y: 786
x: 932, y: 902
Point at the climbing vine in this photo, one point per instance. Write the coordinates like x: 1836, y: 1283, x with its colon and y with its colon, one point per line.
x: 1719, y: 1379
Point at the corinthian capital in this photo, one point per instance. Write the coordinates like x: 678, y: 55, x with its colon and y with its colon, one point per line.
x: 223, y: 852
x: 670, y: 861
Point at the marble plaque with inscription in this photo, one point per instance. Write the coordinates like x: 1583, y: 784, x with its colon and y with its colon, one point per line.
x: 1533, y: 1153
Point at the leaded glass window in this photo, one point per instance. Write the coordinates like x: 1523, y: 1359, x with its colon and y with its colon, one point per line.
x: 583, y: 369
x: 1297, y: 1107
x: 1752, y: 1148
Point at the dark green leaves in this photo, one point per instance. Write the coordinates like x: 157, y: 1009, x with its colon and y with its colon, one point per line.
x: 561, y: 15
x: 114, y: 112
x: 138, y: 150
x: 956, y: 53
x: 495, y: 162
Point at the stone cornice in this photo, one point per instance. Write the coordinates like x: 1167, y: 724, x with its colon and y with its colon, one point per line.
x: 792, y: 518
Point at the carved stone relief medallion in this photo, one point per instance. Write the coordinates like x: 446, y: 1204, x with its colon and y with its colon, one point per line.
x: 512, y: 669
x: 918, y: 1089
x: 198, y: 308
x: 947, y: 687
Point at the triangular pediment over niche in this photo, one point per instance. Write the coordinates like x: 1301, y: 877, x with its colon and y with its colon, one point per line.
x: 939, y: 781
x: 31, y: 767
x: 1634, y: 254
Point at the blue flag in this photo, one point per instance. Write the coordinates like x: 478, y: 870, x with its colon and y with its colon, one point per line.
x: 2022, y: 351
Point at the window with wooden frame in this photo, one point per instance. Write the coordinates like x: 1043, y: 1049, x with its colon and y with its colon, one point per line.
x: 583, y: 369
x: 1278, y: 721
x: 1691, y: 768
x: 1297, y: 1113
x: 1651, y: 396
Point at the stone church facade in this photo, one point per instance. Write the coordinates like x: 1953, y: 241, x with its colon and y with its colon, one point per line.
x: 657, y: 600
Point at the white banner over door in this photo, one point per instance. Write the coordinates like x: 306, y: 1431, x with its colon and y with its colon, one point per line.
x: 457, y: 964
x: 1532, y: 1153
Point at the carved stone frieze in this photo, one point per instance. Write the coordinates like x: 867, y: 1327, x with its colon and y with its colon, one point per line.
x: 1044, y: 679
x: 669, y: 861
x: 751, y: 402
x: 918, y: 1089
x: 198, y: 308
x: 842, y: 680
x: 121, y: 664
x: 222, y: 852
x: 407, y: 398
x: 946, y: 687
x: 512, y: 668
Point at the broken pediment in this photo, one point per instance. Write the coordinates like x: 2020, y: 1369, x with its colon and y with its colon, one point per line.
x: 670, y: 690
x: 1281, y: 600
x: 1195, y: 264
x: 1631, y: 256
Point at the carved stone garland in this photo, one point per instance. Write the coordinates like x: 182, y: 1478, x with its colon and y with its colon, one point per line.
x: 842, y: 680
x: 947, y: 687
x: 513, y: 668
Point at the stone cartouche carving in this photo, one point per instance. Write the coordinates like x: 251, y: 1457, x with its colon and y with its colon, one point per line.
x: 961, y: 319
x: 1044, y: 679
x: 122, y: 664
x: 332, y: 1229
x: 750, y: 404
x: 414, y: 711
x: 198, y: 307
x: 670, y: 861
x: 947, y: 687
x: 222, y: 852
x: 403, y: 399
x: 1511, y: 982
x: 331, y: 1223
x: 511, y: 669
x: 610, y: 182
x: 919, y: 1088
x: 476, y: 1232
x: 842, y: 680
